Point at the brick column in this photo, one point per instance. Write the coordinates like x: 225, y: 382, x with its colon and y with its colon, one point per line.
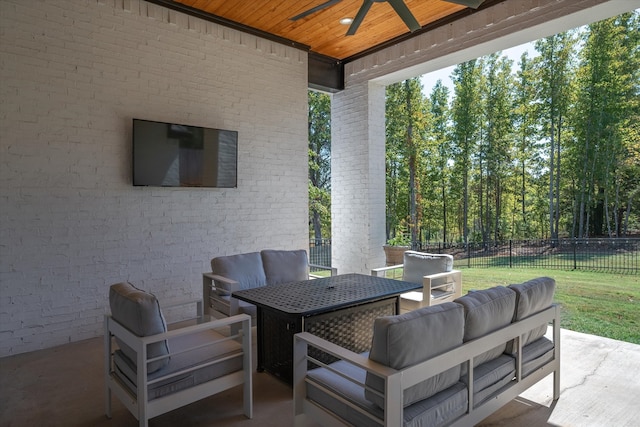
x: 358, y: 178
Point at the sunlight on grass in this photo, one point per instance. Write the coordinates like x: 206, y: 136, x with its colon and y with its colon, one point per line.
x: 595, y: 303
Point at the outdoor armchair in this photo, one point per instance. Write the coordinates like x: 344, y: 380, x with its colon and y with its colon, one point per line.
x: 440, y: 282
x: 153, y: 371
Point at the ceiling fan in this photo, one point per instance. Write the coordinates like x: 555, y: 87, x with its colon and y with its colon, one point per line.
x: 398, y: 5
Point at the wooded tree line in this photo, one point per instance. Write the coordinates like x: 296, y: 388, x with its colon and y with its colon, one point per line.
x: 549, y: 148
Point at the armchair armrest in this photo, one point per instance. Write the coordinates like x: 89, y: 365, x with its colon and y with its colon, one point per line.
x: 381, y: 272
x: 209, y: 290
x: 442, y: 285
x: 179, y: 304
x: 231, y: 284
x: 333, y: 270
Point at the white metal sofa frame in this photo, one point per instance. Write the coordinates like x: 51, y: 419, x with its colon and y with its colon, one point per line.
x: 138, y: 403
x: 307, y: 412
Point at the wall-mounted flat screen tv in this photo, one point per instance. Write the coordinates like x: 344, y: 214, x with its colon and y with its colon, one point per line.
x: 175, y: 155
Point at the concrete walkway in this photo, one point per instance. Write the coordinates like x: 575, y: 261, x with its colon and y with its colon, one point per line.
x: 63, y: 386
x: 600, y: 386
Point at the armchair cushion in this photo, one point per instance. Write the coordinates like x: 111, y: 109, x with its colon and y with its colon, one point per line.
x: 417, y: 265
x: 285, y: 266
x: 139, y: 312
x: 413, y: 337
x: 246, y: 269
x: 187, y: 368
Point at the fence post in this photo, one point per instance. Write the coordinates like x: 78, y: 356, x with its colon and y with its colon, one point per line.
x: 510, y: 255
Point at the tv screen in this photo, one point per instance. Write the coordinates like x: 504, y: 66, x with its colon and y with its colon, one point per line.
x: 175, y: 155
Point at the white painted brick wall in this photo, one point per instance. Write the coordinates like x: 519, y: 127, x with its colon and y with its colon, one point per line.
x: 73, y: 75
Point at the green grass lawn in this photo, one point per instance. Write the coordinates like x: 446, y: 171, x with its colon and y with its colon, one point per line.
x: 595, y: 303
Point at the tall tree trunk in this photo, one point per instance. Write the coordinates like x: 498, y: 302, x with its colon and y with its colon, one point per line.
x: 557, y: 183
x: 412, y: 168
x: 444, y: 210
x: 551, y: 175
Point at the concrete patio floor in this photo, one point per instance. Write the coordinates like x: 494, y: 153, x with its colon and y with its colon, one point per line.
x: 63, y: 386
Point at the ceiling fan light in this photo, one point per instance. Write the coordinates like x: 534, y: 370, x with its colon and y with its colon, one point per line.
x: 474, y: 4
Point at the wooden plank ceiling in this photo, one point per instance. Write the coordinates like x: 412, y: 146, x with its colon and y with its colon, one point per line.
x: 322, y: 31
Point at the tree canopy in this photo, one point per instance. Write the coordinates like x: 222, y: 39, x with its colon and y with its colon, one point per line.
x: 547, y: 150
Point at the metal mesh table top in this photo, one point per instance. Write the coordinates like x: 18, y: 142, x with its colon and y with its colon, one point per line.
x: 317, y: 295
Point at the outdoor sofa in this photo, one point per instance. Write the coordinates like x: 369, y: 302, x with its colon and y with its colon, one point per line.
x: 251, y: 270
x: 450, y: 364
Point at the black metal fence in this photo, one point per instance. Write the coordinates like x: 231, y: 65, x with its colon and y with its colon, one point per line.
x: 320, y: 252
x: 621, y: 255
x: 610, y: 255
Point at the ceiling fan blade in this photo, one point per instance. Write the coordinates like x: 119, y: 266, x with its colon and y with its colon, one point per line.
x: 315, y: 9
x: 405, y: 14
x: 366, y: 5
x: 469, y: 3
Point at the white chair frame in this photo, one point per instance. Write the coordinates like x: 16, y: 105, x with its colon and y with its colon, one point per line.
x: 138, y: 403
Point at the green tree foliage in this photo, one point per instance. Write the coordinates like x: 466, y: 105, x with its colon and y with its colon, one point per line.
x: 319, y: 165
x: 551, y: 149
x: 605, y: 119
x: 465, y: 135
x: 438, y: 198
x: 407, y: 119
x: 555, y: 72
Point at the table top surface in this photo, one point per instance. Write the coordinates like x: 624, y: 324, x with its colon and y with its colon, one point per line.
x: 313, y: 296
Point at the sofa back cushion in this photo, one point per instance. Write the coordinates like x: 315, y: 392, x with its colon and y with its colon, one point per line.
x: 532, y: 297
x: 486, y: 311
x: 246, y: 269
x: 416, y: 265
x: 285, y: 266
x: 414, y: 337
x: 139, y: 312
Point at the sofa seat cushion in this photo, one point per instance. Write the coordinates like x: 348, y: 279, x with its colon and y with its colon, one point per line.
x: 414, y: 337
x: 487, y: 311
x: 285, y: 266
x: 536, y: 354
x: 532, y: 297
x: 491, y: 376
x: 140, y: 313
x: 189, y: 361
x: 438, y: 410
x: 416, y: 265
x: 246, y: 269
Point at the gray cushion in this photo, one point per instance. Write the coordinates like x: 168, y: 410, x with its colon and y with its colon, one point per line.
x: 414, y: 337
x: 246, y: 269
x: 188, y: 368
x: 532, y: 297
x: 486, y: 311
x: 491, y: 376
x: 535, y: 355
x: 438, y: 410
x: 285, y: 266
x: 139, y: 312
x: 417, y: 265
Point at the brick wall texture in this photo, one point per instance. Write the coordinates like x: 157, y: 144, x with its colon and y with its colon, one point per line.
x: 73, y: 75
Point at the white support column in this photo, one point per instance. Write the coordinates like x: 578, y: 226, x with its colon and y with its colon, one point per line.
x: 358, y: 178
